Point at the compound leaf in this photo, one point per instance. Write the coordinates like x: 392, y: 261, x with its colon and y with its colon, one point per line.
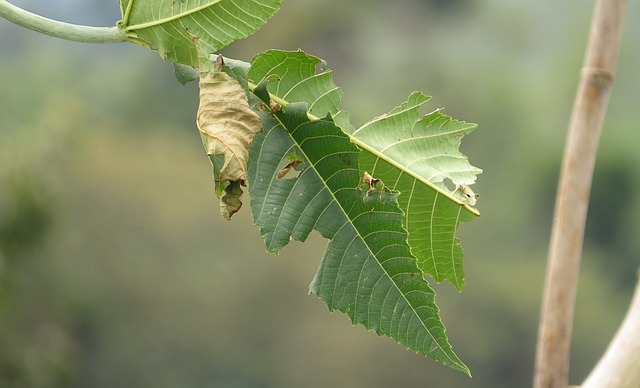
x: 368, y: 270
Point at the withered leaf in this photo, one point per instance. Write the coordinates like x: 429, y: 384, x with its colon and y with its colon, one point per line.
x: 228, y: 126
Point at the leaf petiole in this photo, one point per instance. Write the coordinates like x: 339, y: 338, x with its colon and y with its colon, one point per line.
x: 59, y: 29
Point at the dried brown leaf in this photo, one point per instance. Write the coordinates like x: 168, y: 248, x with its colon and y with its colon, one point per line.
x: 228, y: 125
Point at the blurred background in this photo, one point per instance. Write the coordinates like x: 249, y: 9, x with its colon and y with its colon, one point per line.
x: 116, y: 269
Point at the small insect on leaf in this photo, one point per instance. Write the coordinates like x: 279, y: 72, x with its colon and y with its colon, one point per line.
x: 274, y: 107
x: 471, y: 197
x: 371, y: 182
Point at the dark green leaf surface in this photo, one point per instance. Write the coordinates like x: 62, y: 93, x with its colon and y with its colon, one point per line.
x: 367, y: 271
x: 170, y: 26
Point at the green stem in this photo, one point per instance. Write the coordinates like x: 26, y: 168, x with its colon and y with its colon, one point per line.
x: 58, y: 29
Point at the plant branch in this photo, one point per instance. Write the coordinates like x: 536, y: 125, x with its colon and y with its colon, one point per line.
x: 58, y: 29
x: 619, y: 367
x: 565, y: 249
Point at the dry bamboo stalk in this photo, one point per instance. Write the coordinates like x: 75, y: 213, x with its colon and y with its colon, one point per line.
x: 565, y: 249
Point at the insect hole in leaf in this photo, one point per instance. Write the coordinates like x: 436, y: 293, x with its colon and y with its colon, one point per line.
x: 293, y: 167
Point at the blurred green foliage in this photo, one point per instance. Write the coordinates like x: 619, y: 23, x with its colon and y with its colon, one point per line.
x: 116, y: 269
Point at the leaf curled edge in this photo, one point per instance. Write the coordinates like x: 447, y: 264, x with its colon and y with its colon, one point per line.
x: 228, y: 126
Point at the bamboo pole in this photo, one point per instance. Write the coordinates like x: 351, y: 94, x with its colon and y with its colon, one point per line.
x: 565, y: 249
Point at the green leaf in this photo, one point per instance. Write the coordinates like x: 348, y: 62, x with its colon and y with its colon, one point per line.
x: 318, y: 89
x: 368, y: 270
x: 175, y: 27
x: 418, y: 156
x: 185, y: 73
